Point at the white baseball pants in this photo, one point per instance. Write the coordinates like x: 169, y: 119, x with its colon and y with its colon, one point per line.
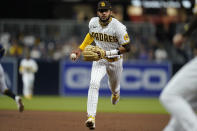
x: 99, y: 69
x: 28, y: 82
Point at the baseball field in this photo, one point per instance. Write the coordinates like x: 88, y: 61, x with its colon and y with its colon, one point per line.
x: 49, y: 113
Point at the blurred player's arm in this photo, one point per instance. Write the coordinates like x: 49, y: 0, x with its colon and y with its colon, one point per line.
x: 33, y: 68
x: 124, y: 48
x: 22, y: 69
x: 179, y: 38
x: 189, y: 28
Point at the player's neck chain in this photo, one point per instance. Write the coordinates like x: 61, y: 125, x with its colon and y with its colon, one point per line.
x: 103, y: 24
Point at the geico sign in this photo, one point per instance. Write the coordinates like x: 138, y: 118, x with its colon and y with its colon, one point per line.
x: 143, y: 79
x: 79, y: 77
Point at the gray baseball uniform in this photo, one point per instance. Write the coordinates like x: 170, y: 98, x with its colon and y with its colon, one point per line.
x: 179, y: 97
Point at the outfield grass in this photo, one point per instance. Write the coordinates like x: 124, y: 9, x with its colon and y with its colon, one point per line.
x: 56, y: 103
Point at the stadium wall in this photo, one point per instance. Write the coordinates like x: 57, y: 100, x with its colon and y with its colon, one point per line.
x: 139, y: 78
x: 51, y: 78
x: 46, y: 79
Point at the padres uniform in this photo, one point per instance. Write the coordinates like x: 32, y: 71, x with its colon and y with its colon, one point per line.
x: 179, y: 97
x: 108, y: 37
x: 28, y: 68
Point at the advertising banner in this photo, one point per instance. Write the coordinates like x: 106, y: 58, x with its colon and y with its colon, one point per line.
x: 138, y: 78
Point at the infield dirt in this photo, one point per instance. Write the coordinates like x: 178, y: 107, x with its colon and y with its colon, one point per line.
x: 75, y: 121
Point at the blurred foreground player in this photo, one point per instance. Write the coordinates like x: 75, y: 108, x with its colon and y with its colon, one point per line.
x: 111, y: 36
x: 179, y: 97
x: 3, y: 87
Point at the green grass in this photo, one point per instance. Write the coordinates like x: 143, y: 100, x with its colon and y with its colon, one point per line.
x: 56, y: 103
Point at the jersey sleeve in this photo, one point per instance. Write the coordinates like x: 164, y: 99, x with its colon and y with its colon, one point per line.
x: 88, y: 39
x: 35, y: 66
x: 122, y: 35
x: 189, y: 28
x: 22, y: 63
x: 92, y: 24
x: 21, y: 67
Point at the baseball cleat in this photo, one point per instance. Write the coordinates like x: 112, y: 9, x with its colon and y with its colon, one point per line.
x: 29, y: 97
x: 19, y: 103
x: 115, y: 98
x: 90, y: 123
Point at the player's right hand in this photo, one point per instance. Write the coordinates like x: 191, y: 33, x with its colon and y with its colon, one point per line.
x: 77, y: 52
x: 178, y: 39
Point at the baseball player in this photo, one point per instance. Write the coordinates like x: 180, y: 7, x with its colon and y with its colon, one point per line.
x: 3, y: 87
x: 28, y: 67
x: 179, y: 95
x: 110, y: 35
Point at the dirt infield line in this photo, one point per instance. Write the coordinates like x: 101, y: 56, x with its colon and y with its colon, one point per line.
x: 75, y: 121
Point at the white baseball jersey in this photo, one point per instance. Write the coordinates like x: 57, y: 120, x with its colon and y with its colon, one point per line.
x: 29, y: 67
x: 109, y: 37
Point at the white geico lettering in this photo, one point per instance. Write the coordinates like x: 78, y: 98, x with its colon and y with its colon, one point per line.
x: 131, y: 79
x: 154, y: 73
x: 131, y: 85
x: 143, y: 79
x: 82, y: 77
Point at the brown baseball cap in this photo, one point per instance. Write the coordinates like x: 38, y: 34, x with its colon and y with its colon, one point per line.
x: 104, y: 5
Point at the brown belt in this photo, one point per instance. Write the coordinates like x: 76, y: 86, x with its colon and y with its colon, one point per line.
x: 113, y: 59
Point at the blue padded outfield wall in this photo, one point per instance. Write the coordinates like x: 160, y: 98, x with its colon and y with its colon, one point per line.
x: 138, y: 78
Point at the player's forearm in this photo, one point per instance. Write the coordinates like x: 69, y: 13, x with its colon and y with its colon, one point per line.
x: 190, y: 27
x: 21, y: 69
x: 125, y: 48
x: 122, y: 50
x: 87, y: 41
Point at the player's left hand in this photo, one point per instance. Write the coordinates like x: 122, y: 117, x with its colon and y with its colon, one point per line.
x: 29, y: 69
x: 93, y: 53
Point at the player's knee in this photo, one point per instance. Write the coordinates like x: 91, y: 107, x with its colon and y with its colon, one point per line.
x: 165, y: 98
x: 94, y: 85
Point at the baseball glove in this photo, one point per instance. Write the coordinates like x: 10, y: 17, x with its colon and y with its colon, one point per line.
x: 93, y: 53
